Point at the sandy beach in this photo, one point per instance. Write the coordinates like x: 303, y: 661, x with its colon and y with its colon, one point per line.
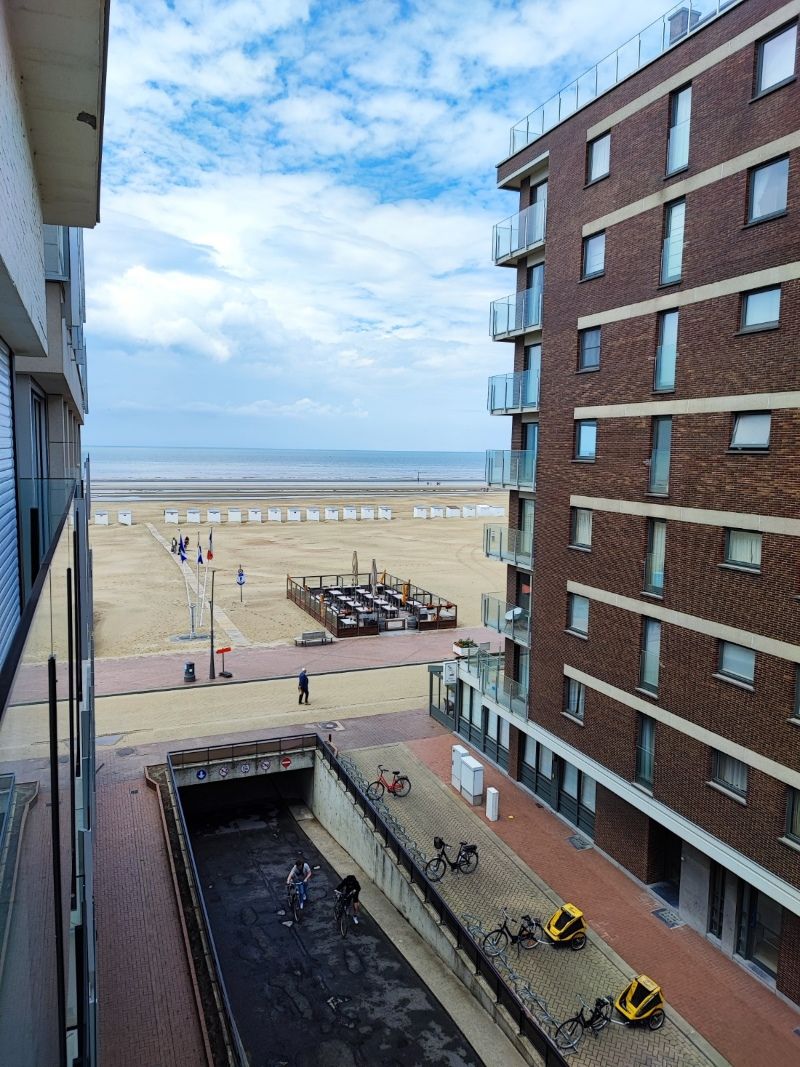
x: 140, y: 593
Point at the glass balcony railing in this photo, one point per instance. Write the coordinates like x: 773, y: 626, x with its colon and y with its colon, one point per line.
x: 516, y: 313
x: 510, y: 620
x: 649, y: 44
x: 514, y: 392
x: 488, y: 669
x: 511, y: 470
x: 658, y: 481
x: 43, y: 503
x: 645, y: 760
x: 520, y: 232
x: 508, y: 545
x: 672, y: 259
x: 678, y: 146
x: 649, y: 668
x: 654, y: 573
x: 666, y: 360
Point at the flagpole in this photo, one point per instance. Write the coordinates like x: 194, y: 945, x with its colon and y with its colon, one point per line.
x: 212, y: 674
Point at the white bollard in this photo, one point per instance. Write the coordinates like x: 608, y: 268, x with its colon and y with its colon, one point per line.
x: 492, y: 804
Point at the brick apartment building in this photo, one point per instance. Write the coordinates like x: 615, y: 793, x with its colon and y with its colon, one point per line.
x: 649, y: 690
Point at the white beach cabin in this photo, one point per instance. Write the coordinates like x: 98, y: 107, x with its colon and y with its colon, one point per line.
x: 468, y: 511
x: 368, y: 513
x: 101, y: 518
x: 312, y: 514
x: 274, y: 515
x: 171, y: 516
x: 384, y: 513
x: 125, y: 518
x: 214, y: 516
x: 437, y: 513
x: 293, y: 515
x: 420, y: 513
x: 193, y: 516
x: 452, y: 513
x: 350, y: 513
x: 253, y: 515
x: 234, y: 515
x: 331, y: 514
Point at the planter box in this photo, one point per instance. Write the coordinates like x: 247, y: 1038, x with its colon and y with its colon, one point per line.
x: 461, y: 652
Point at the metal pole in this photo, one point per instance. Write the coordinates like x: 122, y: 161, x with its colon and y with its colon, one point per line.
x: 212, y: 674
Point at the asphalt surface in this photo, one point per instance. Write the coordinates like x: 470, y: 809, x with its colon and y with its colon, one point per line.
x: 301, y: 994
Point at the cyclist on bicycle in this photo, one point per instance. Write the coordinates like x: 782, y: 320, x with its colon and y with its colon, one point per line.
x: 349, y: 887
x: 299, y: 875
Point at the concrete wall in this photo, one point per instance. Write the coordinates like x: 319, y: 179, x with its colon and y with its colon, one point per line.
x: 22, y: 298
x: 335, y: 809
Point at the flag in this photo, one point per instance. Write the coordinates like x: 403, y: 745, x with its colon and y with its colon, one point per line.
x: 210, y: 553
x: 199, y: 552
x: 181, y: 549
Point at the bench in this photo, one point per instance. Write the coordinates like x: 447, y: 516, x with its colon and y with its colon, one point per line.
x: 313, y: 637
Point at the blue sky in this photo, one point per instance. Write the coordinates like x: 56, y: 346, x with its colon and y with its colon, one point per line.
x: 296, y: 215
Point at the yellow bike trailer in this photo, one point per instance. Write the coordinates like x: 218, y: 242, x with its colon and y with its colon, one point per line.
x: 642, y: 1001
x: 567, y: 926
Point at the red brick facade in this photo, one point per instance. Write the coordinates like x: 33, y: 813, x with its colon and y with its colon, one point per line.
x: 715, y: 359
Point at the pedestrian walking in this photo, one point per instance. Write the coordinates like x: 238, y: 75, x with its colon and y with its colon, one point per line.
x: 302, y: 687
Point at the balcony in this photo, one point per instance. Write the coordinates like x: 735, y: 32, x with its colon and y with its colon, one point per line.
x: 43, y: 504
x: 516, y: 314
x: 520, y: 233
x: 494, y: 683
x: 511, y: 470
x: 508, y: 545
x: 510, y: 620
x: 514, y: 392
x: 677, y: 24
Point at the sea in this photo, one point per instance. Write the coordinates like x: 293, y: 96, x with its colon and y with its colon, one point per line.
x: 291, y: 465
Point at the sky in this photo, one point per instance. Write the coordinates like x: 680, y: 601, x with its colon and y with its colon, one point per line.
x: 296, y: 214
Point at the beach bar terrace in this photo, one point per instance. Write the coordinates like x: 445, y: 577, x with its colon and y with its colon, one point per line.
x: 357, y: 605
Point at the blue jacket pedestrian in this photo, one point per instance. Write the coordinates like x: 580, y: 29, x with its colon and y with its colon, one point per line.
x: 302, y: 687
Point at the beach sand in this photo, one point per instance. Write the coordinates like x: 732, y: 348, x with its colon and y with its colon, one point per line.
x: 140, y: 594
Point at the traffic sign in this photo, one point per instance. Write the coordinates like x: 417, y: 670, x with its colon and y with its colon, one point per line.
x: 202, y: 775
x: 240, y: 578
x: 286, y: 762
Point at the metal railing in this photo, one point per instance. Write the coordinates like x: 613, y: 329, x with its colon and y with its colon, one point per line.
x: 516, y: 313
x: 488, y: 669
x: 513, y: 469
x: 510, y: 620
x: 519, y: 232
x: 411, y: 862
x: 241, y: 752
x: 508, y: 545
x: 655, y: 39
x: 666, y: 360
x: 514, y: 392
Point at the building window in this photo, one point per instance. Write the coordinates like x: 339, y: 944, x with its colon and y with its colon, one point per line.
x: 737, y: 662
x: 650, y: 660
x: 667, y: 351
x: 586, y: 439
x: 793, y: 815
x: 743, y: 549
x: 656, y: 551
x: 768, y: 190
x: 580, y: 527
x: 761, y: 308
x: 680, y: 111
x: 574, y: 698
x: 775, y: 59
x: 729, y: 772
x: 594, y: 255
x: 578, y: 614
x: 672, y: 248
x: 589, y: 349
x: 645, y: 750
x: 598, y: 158
x: 751, y: 430
x: 661, y: 447
x: 796, y: 714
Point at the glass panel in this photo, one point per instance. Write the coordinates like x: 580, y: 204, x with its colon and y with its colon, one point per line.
x: 502, y: 735
x: 570, y: 782
x: 589, y: 348
x: 587, y: 439
x: 660, y: 456
x: 672, y: 253
x: 599, y: 157
x: 582, y: 527
x: 743, y: 547
x: 738, y: 661
x: 667, y: 352
x: 578, y: 613
x: 768, y: 187
x: 766, y: 934
x: 651, y: 655
x: 762, y: 308
x: 529, y: 752
x: 545, y: 762
x: 776, y: 59
x: 576, y: 694
x: 751, y: 431
x: 678, y: 144
x: 654, y: 569
x: 594, y: 255
x: 588, y: 792
x: 793, y: 815
x: 645, y: 752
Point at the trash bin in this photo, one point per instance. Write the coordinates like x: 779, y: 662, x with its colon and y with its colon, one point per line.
x: 188, y: 672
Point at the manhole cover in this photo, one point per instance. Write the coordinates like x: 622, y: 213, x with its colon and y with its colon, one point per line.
x: 579, y: 842
x: 126, y: 752
x: 334, y: 724
x: 669, y: 917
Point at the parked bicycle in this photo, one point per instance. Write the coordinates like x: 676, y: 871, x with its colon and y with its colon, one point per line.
x: 342, y: 911
x: 293, y: 898
x: 400, y: 784
x: 466, y: 860
x: 529, y: 936
x: 569, y: 1034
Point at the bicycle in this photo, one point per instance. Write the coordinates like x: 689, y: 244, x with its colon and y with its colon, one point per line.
x: 293, y: 898
x: 466, y: 860
x: 570, y: 1032
x: 342, y: 911
x: 530, y: 935
x: 400, y: 784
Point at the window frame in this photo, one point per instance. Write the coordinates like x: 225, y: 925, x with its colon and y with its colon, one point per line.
x: 758, y: 89
x: 767, y: 324
x: 583, y: 349
x: 648, y: 627
x: 590, y: 178
x: 717, y: 777
x: 586, y: 242
x: 571, y: 628
x: 737, y: 416
x: 666, y: 235
x: 729, y: 561
x: 729, y: 675
x: 573, y: 529
x: 649, y: 586
x: 674, y: 98
x: 579, y: 711
x: 579, y: 423
x: 792, y: 815
x: 663, y: 317
x: 752, y: 172
x: 645, y: 725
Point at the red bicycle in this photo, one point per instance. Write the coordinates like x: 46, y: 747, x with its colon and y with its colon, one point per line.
x: 400, y: 785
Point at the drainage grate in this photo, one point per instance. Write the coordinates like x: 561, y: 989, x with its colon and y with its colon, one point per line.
x: 669, y: 917
x: 578, y: 842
